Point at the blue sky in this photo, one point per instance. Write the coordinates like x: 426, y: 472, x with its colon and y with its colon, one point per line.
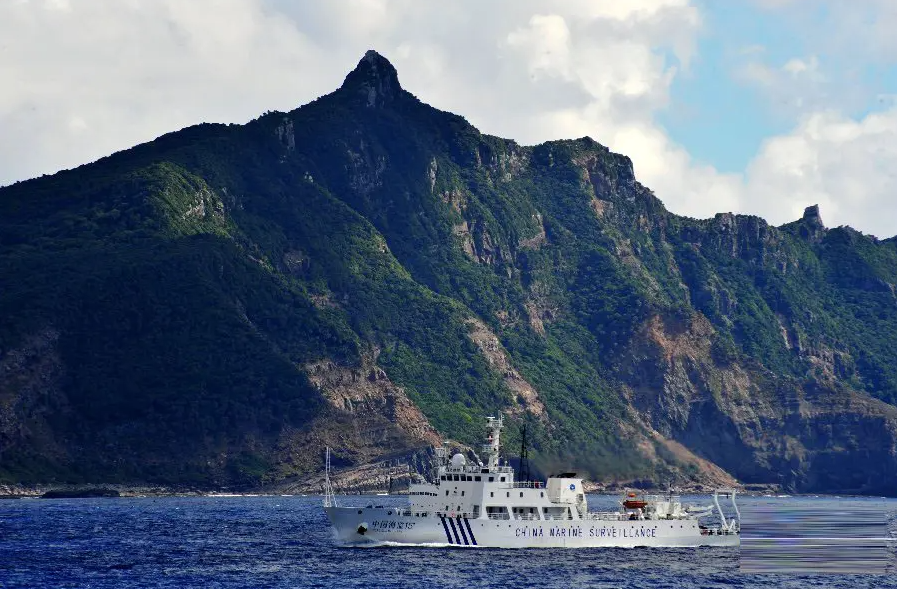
x: 717, y: 117
x: 722, y: 119
x: 751, y: 106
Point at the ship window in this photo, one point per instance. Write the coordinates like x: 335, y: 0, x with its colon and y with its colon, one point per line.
x: 477, y: 478
x: 459, y: 508
x: 446, y: 507
x: 446, y: 492
x: 531, y: 510
x: 455, y: 477
x: 469, y: 479
x: 541, y: 493
x: 462, y: 493
x: 509, y: 494
x: 491, y: 479
x: 442, y: 478
x: 521, y: 493
x: 491, y: 494
x: 502, y: 479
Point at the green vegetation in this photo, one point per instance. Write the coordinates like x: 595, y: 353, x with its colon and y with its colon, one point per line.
x: 191, y: 279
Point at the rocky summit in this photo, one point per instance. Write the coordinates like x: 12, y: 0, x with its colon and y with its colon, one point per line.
x: 367, y: 272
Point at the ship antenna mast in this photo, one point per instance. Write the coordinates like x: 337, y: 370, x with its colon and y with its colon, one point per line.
x: 524, y: 457
x: 492, y: 447
x: 329, y: 496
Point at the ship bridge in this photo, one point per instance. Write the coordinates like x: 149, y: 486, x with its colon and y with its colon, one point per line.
x: 490, y: 491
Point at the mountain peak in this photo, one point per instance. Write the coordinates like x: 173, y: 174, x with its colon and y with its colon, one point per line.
x: 810, y: 225
x: 374, y: 79
x: 811, y: 214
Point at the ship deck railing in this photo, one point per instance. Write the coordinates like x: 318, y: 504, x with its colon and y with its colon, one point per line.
x: 606, y: 515
x: 528, y: 485
x: 476, y: 469
x: 529, y: 516
x: 456, y: 514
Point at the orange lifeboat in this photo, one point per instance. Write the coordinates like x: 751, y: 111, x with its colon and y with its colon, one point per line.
x: 631, y: 502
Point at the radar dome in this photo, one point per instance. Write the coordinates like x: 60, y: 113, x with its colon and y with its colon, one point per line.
x: 459, y: 460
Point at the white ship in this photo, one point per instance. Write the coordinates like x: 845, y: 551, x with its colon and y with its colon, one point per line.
x: 482, y: 505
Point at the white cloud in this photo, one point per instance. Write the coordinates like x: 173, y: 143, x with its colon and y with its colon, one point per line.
x: 847, y: 166
x: 130, y: 71
x: 793, y: 88
x: 797, y: 67
x: 859, y: 30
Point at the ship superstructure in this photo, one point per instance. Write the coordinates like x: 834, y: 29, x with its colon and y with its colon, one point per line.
x: 481, y: 504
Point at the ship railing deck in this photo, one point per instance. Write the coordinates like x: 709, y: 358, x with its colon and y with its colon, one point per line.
x: 528, y: 485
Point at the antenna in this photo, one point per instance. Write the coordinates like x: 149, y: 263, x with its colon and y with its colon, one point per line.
x: 329, y: 497
x: 524, y: 457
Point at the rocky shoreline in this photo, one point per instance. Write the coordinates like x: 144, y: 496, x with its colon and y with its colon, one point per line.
x: 313, y: 486
x: 15, y: 491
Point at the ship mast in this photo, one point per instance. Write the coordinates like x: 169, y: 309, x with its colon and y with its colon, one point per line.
x: 329, y: 496
x: 492, y: 447
x: 524, y: 457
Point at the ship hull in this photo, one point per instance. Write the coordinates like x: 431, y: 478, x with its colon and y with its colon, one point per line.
x: 389, y: 525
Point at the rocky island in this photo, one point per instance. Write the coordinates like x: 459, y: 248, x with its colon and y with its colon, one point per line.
x: 367, y: 272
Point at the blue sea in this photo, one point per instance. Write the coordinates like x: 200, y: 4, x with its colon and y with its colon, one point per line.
x: 285, y: 541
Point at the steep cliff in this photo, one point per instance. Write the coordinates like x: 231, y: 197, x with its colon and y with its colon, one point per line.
x: 374, y: 274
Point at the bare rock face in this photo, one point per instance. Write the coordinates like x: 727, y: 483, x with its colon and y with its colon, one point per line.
x: 374, y: 80
x: 286, y: 134
x: 366, y: 414
x: 811, y: 226
x: 751, y: 423
x: 525, y: 394
x: 30, y: 387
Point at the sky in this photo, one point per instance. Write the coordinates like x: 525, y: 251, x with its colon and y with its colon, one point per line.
x: 759, y: 107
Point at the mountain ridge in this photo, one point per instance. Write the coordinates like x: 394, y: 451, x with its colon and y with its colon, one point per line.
x: 434, y: 274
